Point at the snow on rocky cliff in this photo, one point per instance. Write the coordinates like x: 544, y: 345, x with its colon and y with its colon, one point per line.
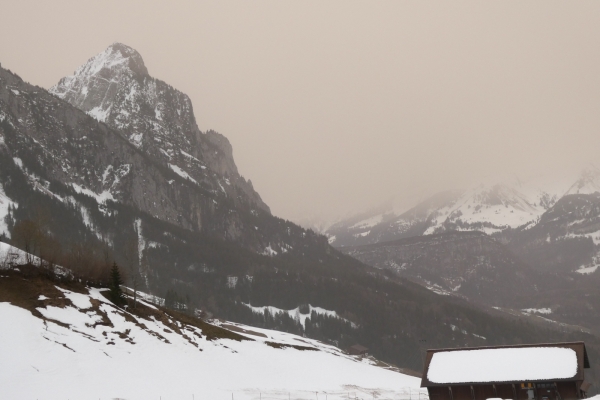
x: 489, y: 208
x: 114, y: 87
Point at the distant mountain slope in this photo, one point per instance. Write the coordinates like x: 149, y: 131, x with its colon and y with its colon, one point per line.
x: 485, y: 208
x: 588, y: 182
x: 470, y: 264
x: 566, y: 238
x: 489, y: 208
x: 383, y: 225
x: 542, y: 252
x: 114, y: 87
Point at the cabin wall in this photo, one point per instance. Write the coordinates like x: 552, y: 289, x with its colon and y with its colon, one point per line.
x: 438, y: 393
x: 483, y: 392
x: 506, y: 391
x: 567, y: 391
x: 462, y: 393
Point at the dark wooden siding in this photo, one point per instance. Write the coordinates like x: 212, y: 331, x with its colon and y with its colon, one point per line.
x: 438, y: 393
x: 461, y: 392
x: 483, y: 392
x: 505, y: 391
x: 567, y: 390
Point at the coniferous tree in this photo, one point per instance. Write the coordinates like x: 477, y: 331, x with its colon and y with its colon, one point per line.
x: 116, y: 294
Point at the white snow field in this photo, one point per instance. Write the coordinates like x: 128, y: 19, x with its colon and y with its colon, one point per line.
x: 502, y: 365
x: 84, y: 347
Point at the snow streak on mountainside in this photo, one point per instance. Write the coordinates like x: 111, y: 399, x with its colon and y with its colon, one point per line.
x: 114, y: 87
x: 5, y: 203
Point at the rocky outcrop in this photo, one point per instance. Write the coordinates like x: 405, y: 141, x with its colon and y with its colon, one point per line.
x: 114, y: 87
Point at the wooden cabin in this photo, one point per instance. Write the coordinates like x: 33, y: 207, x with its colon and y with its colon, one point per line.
x: 549, y: 371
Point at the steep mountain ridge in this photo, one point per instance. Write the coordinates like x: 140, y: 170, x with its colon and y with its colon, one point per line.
x: 61, y: 150
x: 115, y: 88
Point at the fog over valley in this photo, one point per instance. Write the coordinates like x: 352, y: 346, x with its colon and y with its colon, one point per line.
x: 335, y: 108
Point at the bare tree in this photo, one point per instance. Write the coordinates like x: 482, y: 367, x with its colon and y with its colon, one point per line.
x: 27, y: 235
x: 133, y: 262
x: 46, y: 243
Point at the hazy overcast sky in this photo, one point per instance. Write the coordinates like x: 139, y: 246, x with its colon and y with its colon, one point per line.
x: 339, y: 105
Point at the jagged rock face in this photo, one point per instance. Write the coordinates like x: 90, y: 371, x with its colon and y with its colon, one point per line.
x: 115, y: 88
x: 50, y: 140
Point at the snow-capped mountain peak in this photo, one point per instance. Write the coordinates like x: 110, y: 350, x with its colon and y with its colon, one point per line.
x: 114, y: 87
x: 100, y: 77
x: 487, y: 207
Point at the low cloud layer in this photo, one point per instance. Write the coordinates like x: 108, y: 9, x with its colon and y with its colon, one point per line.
x: 340, y: 106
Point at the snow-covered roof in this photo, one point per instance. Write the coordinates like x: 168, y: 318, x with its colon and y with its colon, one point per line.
x: 504, y: 364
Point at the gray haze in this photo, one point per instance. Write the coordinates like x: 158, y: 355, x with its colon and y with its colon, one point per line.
x: 337, y: 106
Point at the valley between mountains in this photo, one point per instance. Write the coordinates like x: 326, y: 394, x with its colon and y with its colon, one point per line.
x: 109, y: 165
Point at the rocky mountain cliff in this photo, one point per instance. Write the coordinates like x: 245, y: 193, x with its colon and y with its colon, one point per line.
x: 114, y: 87
x: 62, y: 151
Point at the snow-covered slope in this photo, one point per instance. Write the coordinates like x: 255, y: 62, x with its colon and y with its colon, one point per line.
x: 68, y: 341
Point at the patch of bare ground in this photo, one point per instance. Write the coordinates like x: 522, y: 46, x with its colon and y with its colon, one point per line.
x: 31, y: 287
x: 212, y: 332
x: 242, y: 330
x: 24, y: 287
x: 292, y: 346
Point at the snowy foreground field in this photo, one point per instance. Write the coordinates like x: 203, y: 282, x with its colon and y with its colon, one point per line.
x: 66, y: 341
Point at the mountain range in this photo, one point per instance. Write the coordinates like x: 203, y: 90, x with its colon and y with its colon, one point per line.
x: 109, y: 164
x: 491, y: 208
x: 513, y: 246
